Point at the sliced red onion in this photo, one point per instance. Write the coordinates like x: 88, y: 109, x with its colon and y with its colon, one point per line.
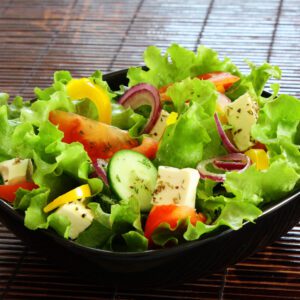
x: 143, y: 94
x: 99, y: 166
x: 226, y: 141
x: 230, y: 161
x: 204, y: 174
x: 228, y: 166
x: 235, y: 161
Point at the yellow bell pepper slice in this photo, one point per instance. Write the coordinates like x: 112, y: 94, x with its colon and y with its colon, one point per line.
x: 84, y: 88
x: 259, y: 157
x: 80, y: 192
x: 172, y: 118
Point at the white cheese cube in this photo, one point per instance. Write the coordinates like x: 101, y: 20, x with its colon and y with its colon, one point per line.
x: 176, y: 186
x: 79, y: 216
x: 159, y: 128
x: 16, y: 170
x: 241, y: 115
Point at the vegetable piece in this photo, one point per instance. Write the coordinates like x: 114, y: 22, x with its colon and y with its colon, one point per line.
x: 79, y: 216
x: 99, y: 165
x: 148, y: 147
x: 172, y: 118
x: 159, y: 128
x: 16, y: 170
x: 143, y: 94
x: 78, y: 193
x: 99, y: 140
x: 242, y: 114
x: 163, y: 93
x: 222, y: 80
x: 8, y: 192
x: 226, y: 141
x: 132, y: 176
x: 222, y: 102
x: 259, y: 157
x: 176, y: 186
x: 230, y: 162
x: 83, y: 88
x: 170, y: 214
x: 235, y: 161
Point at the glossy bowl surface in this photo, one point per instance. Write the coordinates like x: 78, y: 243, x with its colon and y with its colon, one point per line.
x: 165, y: 266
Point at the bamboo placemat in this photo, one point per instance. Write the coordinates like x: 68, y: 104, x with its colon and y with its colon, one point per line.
x: 39, y: 37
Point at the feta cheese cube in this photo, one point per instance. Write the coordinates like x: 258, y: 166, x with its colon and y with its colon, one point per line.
x: 159, y: 128
x: 16, y: 170
x: 241, y: 115
x: 79, y: 216
x: 176, y: 186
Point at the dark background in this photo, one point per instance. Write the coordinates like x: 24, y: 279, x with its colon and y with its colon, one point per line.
x: 39, y: 37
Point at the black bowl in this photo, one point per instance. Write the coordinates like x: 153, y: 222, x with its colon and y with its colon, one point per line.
x: 165, y: 266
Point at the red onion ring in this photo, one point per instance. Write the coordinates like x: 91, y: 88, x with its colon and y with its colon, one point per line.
x: 235, y: 161
x: 226, y: 142
x: 143, y: 94
x: 204, y: 174
x: 99, y: 166
x: 232, y: 162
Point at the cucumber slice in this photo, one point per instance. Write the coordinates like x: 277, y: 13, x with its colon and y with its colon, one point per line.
x: 131, y: 175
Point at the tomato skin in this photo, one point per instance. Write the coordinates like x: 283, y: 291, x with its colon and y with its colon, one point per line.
x: 170, y: 214
x: 148, y: 147
x: 8, y: 192
x: 99, y: 140
x: 222, y: 80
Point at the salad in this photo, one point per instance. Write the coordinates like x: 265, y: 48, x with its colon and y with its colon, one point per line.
x: 189, y: 147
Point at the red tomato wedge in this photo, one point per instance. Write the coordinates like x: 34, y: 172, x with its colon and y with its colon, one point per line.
x: 170, y: 214
x: 148, y: 147
x: 99, y: 139
x: 222, y: 80
x: 8, y: 192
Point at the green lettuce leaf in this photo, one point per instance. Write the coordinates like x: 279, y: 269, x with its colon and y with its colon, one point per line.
x: 34, y: 215
x: 97, y: 78
x: 254, y: 82
x: 13, y: 107
x: 95, y: 236
x: 38, y: 112
x: 177, y: 64
x: 233, y: 215
x: 127, y: 119
x: 260, y: 187
x: 278, y: 127
x: 194, y: 136
x: 60, y: 224
x: 119, y: 230
x: 6, y: 131
x: 60, y: 79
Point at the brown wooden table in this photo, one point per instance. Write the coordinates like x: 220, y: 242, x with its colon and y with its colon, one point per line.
x: 38, y: 37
